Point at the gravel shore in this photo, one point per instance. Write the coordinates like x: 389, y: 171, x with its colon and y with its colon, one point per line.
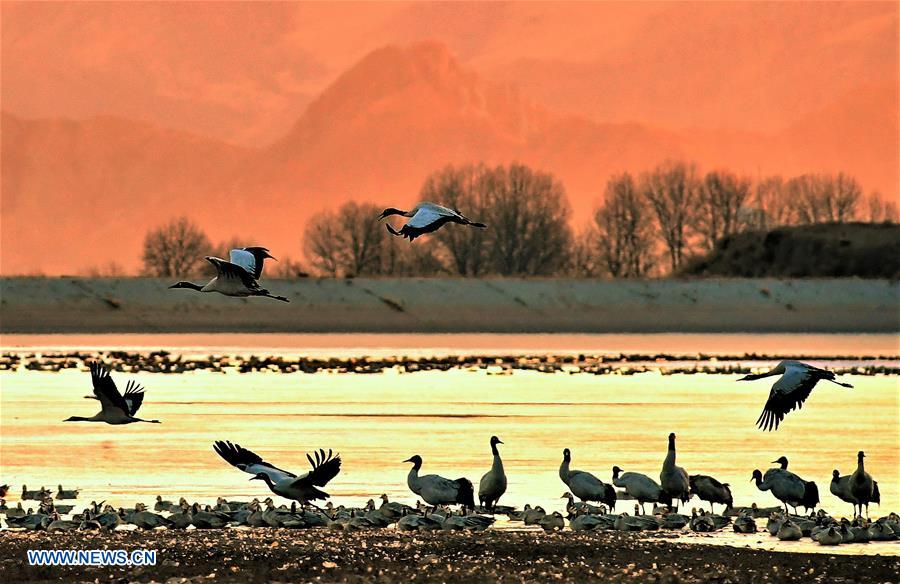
x: 262, y: 555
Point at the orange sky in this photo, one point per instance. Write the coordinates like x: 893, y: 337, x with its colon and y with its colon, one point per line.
x: 137, y: 111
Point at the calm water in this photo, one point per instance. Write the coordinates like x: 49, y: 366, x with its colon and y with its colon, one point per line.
x: 376, y: 421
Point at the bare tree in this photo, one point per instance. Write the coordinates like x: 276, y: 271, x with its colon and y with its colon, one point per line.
x: 825, y: 198
x: 321, y: 243
x: 672, y: 191
x: 768, y: 206
x: 881, y: 210
x: 461, y: 188
x: 722, y: 196
x: 174, y: 249
x: 623, y: 229
x: 528, y: 221
x: 346, y: 242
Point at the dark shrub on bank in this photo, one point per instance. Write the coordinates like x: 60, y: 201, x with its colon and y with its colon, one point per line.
x: 826, y: 250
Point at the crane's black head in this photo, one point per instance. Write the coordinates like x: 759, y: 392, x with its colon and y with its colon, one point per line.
x: 495, y: 440
x: 782, y: 460
x: 567, y: 455
x: 390, y: 211
x: 415, y: 459
x: 757, y: 475
x: 672, y: 441
x: 835, y: 474
x: 260, y: 476
x: 860, y: 455
x: 616, y: 471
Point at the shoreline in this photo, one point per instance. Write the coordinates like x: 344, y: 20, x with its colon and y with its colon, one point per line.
x: 32, y: 305
x: 288, y: 555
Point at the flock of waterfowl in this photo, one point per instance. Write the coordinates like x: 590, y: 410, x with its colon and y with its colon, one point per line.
x: 594, y: 509
x: 437, y: 494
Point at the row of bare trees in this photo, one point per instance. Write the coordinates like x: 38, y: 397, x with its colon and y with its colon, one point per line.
x: 647, y: 224
x: 674, y: 208
x: 527, y: 212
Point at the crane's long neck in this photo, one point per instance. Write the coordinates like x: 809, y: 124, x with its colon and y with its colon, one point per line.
x: 412, y: 479
x: 564, y: 471
x: 860, y: 465
x: 497, y: 466
x: 669, y: 463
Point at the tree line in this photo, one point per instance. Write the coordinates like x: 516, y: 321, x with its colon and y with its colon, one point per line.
x: 646, y: 224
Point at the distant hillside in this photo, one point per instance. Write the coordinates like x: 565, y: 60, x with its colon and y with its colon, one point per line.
x: 862, y: 250
x: 374, y: 134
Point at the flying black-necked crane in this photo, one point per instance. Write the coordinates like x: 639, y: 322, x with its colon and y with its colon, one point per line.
x: 426, y: 218
x: 787, y: 487
x: 493, y: 483
x: 584, y: 485
x: 436, y: 490
x: 115, y: 408
x: 238, y: 276
x: 790, y: 391
x: 303, y: 488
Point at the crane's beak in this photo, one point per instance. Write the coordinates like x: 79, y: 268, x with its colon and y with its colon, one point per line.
x: 408, y: 460
x: 499, y: 441
x: 254, y: 478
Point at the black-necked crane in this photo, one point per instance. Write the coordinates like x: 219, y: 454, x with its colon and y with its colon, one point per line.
x: 790, y: 391
x: 238, y: 276
x: 787, y: 487
x: 862, y: 487
x: 303, y: 488
x: 436, y: 490
x: 115, y: 408
x: 584, y: 485
x: 426, y: 218
x: 493, y: 483
x: 708, y: 489
x: 674, y: 479
x: 639, y: 486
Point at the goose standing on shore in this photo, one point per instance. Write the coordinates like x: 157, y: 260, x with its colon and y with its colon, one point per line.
x: 787, y: 487
x: 436, y: 490
x: 426, y: 218
x: 640, y: 486
x: 862, y: 487
x: 584, y: 485
x: 674, y: 479
x: 115, y: 408
x: 788, y: 393
x: 711, y: 490
x: 493, y: 483
x: 302, y: 489
x: 237, y: 277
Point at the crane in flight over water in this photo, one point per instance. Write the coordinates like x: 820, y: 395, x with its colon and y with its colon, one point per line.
x: 302, y: 489
x: 788, y: 393
x: 115, y: 408
x: 426, y: 218
x: 238, y: 276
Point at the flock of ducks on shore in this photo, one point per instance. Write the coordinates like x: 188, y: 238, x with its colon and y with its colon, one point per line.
x: 437, y: 494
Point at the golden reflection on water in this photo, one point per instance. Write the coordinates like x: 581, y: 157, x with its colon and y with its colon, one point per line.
x: 376, y: 421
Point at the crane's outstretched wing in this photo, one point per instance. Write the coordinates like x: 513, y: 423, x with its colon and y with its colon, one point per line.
x: 324, y: 468
x: 134, y: 396
x: 230, y: 271
x: 249, y: 462
x: 787, y: 394
x: 427, y: 215
x: 244, y: 259
x: 106, y: 391
x: 260, y: 254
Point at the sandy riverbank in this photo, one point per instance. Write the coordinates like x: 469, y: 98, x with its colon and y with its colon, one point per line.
x: 294, y: 556
x: 70, y: 305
